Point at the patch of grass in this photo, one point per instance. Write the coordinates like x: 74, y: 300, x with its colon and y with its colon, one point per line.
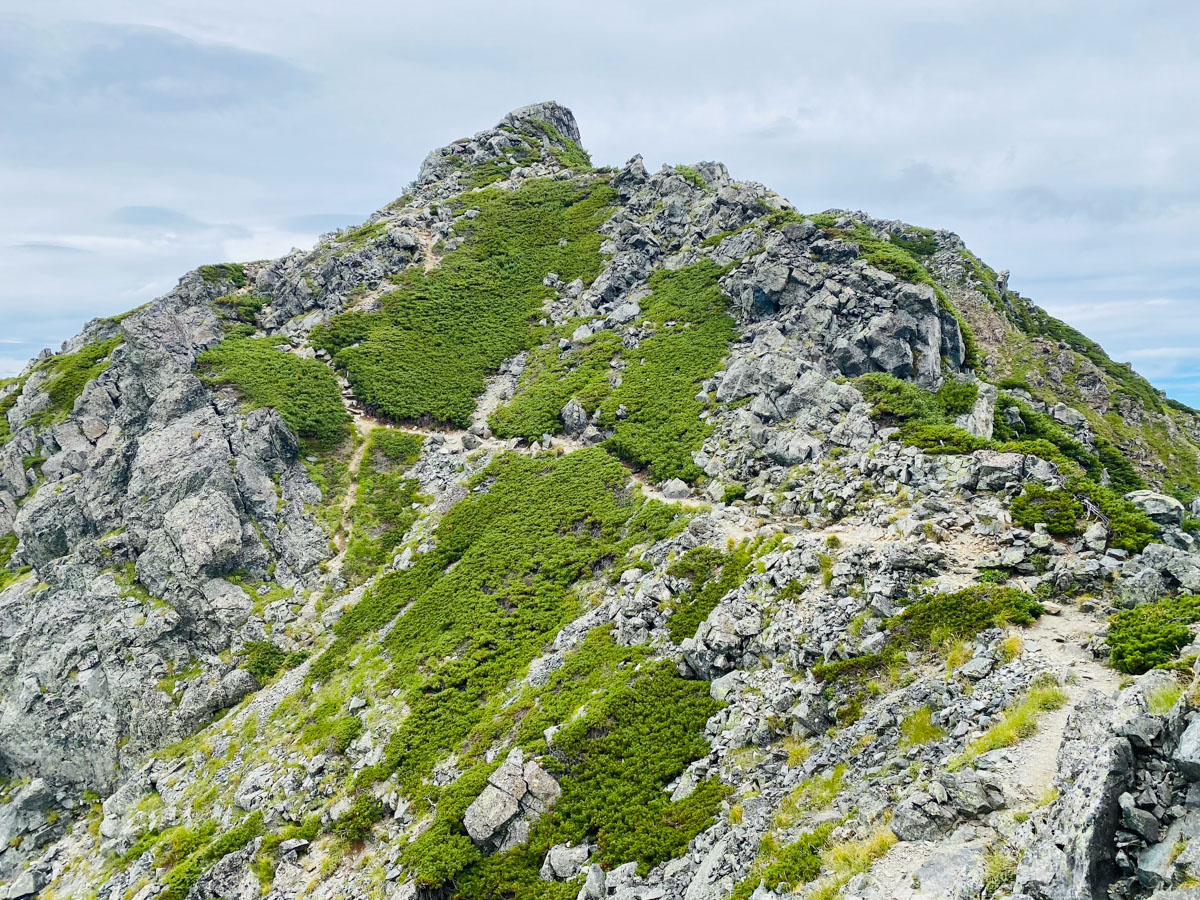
x: 917, y: 729
x: 67, y: 375
x: 1151, y: 635
x: 712, y: 575
x: 1019, y: 722
x: 850, y: 858
x: 304, y: 391
x: 234, y: 273
x: 1010, y: 648
x: 441, y: 333
x: 813, y: 795
x: 1161, y: 700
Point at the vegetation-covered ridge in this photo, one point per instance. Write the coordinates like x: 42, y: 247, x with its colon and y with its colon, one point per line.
x: 651, y: 403
x: 440, y: 333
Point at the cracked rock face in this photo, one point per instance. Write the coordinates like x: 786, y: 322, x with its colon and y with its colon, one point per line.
x: 517, y: 795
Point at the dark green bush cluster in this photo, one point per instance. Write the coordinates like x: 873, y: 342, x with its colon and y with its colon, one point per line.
x: 935, y: 618
x: 234, y: 273
x: 263, y: 660
x: 242, y: 307
x: 644, y: 725
x: 1058, y: 510
x: 1151, y: 635
x: 693, y: 177
x: 304, y: 391
x: 383, y: 511
x: 440, y: 333
x: 792, y: 866
x: 661, y: 424
x: 68, y: 374
x: 712, y: 574
x: 354, y: 824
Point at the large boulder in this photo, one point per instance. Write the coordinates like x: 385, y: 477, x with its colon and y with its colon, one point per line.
x: 1160, y: 508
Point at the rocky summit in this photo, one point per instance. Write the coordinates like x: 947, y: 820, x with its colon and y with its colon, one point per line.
x: 570, y: 532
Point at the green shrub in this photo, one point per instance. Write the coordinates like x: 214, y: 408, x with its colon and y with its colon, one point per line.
x: 1151, y: 635
x: 184, y: 876
x: 234, y: 273
x: 441, y: 333
x: 262, y: 659
x: 242, y: 307
x: 712, y: 574
x: 68, y: 374
x: 354, y: 825
x: 733, y: 493
x: 799, y: 862
x: 693, y: 177
x: 957, y: 398
x: 936, y: 618
x: 383, y: 510
x: 304, y: 391
x: 1058, y: 510
x: 894, y: 399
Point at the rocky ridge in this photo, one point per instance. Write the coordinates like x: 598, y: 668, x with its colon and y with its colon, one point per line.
x: 840, y: 625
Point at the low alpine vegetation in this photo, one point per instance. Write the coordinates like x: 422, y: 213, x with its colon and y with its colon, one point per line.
x: 1151, y: 635
x: 440, y: 333
x: 304, y: 391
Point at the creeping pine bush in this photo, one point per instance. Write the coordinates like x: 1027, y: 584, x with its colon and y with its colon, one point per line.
x: 234, y: 273
x: 1058, y: 510
x: 936, y: 618
x: 659, y: 426
x: 793, y: 865
x: 383, y: 511
x: 712, y: 574
x: 68, y: 374
x: 441, y: 333
x: 1151, y: 635
x: 304, y: 391
x: 183, y: 877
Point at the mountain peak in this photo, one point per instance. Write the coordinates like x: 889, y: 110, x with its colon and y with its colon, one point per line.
x: 553, y: 497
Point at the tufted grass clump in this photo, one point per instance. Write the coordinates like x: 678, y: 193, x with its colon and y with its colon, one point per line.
x: 712, y: 574
x: 845, y: 860
x: 653, y: 411
x: 67, y: 376
x: 813, y: 795
x: 918, y: 729
x: 440, y: 333
x: 304, y: 391
x: 1151, y: 635
x: 1019, y: 721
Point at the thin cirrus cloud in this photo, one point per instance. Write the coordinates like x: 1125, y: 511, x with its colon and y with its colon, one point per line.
x: 147, y: 138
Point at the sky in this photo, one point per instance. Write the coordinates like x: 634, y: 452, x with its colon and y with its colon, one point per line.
x: 1059, y: 139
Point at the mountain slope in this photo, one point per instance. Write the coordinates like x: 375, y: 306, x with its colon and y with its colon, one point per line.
x: 565, y: 531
